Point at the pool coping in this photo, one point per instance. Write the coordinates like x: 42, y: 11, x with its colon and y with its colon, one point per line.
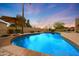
x: 30, y: 52
x: 71, y: 42
x: 66, y: 39
x: 10, y: 39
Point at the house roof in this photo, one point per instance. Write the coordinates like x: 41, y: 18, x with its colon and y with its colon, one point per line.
x: 3, y: 23
x: 19, y: 20
x: 8, y: 19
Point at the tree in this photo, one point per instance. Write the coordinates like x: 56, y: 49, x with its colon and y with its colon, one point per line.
x: 12, y: 25
x: 58, y: 25
x: 28, y: 23
x: 21, y: 21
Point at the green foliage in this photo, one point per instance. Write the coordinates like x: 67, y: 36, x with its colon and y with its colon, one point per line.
x: 10, y: 31
x: 58, y: 25
x: 52, y: 30
x: 18, y: 31
x: 12, y: 25
x: 20, y: 20
x: 31, y: 31
x: 28, y: 24
x: 14, y: 31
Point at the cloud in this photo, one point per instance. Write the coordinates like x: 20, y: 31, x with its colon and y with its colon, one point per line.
x: 67, y: 16
x: 31, y: 10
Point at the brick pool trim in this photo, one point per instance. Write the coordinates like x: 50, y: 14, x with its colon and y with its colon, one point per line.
x: 11, y: 50
x: 6, y: 49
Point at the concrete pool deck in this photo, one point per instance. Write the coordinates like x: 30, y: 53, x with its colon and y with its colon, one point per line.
x: 72, y: 36
x: 7, y: 49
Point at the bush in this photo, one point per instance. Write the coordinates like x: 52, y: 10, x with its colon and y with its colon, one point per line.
x: 4, y: 35
x: 18, y: 31
x: 10, y: 31
x: 31, y: 31
x: 14, y: 31
x: 52, y: 30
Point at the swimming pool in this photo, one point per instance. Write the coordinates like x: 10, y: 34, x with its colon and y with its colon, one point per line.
x: 47, y: 43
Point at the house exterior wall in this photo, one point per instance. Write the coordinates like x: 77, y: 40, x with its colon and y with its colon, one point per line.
x: 3, y: 29
x: 77, y: 25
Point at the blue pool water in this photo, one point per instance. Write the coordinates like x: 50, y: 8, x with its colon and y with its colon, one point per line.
x: 47, y: 43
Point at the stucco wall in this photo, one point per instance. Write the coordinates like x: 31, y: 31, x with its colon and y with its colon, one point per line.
x: 3, y: 29
x: 77, y: 25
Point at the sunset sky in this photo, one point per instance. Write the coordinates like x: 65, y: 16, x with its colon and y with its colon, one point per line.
x: 43, y: 15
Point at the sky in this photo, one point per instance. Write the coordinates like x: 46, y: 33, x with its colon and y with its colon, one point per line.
x: 43, y: 14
